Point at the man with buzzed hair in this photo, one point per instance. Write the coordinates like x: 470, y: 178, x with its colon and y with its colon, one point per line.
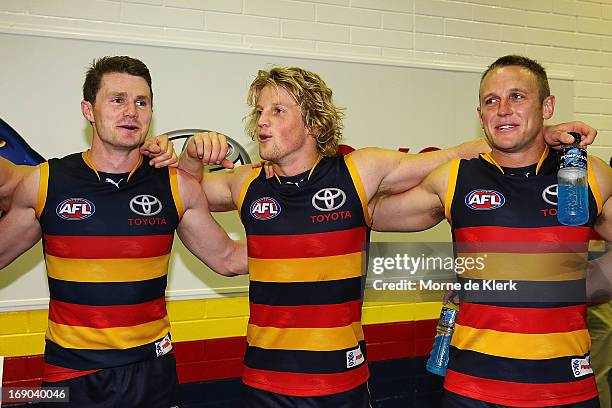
x: 529, y: 347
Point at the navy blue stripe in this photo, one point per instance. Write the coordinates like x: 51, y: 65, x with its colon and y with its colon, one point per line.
x: 84, y: 359
x: 107, y: 293
x: 306, y: 293
x: 299, y: 361
x: 554, y: 370
x: 528, y: 293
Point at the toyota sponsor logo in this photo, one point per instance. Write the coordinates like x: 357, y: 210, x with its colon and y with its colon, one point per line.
x: 328, y: 199
x: 550, y: 194
x: 484, y: 199
x: 145, y: 205
x: 265, y: 208
x: 74, y: 209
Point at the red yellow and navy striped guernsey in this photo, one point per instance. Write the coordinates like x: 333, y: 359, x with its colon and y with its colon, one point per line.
x: 306, y: 246
x: 107, y: 246
x: 526, y: 345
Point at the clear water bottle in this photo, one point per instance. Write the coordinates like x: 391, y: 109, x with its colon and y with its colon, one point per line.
x: 572, y: 192
x: 438, y: 359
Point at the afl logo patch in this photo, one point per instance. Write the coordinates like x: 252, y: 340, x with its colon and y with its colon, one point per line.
x: 484, y: 200
x: 265, y: 208
x: 74, y: 209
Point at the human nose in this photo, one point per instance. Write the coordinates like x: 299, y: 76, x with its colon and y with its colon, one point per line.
x: 131, y: 110
x: 504, y: 108
x: 262, y: 120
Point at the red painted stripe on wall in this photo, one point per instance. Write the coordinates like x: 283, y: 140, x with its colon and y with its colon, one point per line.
x: 215, y: 359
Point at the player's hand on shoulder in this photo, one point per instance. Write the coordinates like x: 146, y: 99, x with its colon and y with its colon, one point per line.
x: 209, y: 148
x: 160, y: 151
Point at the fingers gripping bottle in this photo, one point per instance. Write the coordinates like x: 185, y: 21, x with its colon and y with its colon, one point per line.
x: 573, y: 194
x: 438, y: 359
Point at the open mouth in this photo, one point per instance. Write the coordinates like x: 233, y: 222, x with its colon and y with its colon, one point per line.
x: 263, y: 138
x: 506, y: 127
x: 129, y: 127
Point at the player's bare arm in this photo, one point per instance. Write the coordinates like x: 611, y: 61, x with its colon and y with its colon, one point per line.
x: 417, y: 209
x: 390, y: 172
x: 203, y: 236
x: 10, y: 176
x: 20, y: 227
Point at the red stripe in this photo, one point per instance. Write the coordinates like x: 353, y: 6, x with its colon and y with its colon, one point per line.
x: 214, y: 359
x: 112, y: 247
x: 305, y: 385
x: 520, y: 394
x: 510, y: 234
x: 101, y: 317
x: 54, y: 373
x: 335, y: 315
x: 523, y: 319
x: 307, y: 245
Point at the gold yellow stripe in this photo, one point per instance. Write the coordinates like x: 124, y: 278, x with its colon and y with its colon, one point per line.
x: 528, y: 267
x: 350, y: 164
x: 310, y: 339
x: 176, y: 194
x: 306, y: 269
x: 520, y: 345
x: 542, y: 158
x: 450, y: 190
x: 106, y: 270
x: 43, y: 186
x: 22, y: 333
x: 87, y: 160
x: 135, y: 168
x: 254, y: 174
x: 491, y: 160
x: 110, y: 338
x: 594, y: 186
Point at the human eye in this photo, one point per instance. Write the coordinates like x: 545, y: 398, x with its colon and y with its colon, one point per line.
x: 278, y: 110
x: 141, y: 103
x: 517, y: 96
x: 117, y: 100
x: 490, y: 101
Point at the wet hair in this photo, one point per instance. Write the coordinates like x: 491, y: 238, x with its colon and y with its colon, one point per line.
x: 519, y: 61
x: 322, y: 117
x: 108, y: 65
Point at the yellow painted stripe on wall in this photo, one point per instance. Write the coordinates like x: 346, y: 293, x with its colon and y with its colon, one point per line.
x: 103, y: 339
x: 22, y: 333
x: 521, y: 345
x: 311, y: 339
x: 306, y: 269
x: 107, y: 270
x: 528, y: 267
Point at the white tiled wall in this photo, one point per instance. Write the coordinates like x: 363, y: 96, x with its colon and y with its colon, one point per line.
x: 565, y: 35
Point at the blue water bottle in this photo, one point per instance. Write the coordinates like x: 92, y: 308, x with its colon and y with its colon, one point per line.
x: 438, y: 359
x: 573, y: 193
